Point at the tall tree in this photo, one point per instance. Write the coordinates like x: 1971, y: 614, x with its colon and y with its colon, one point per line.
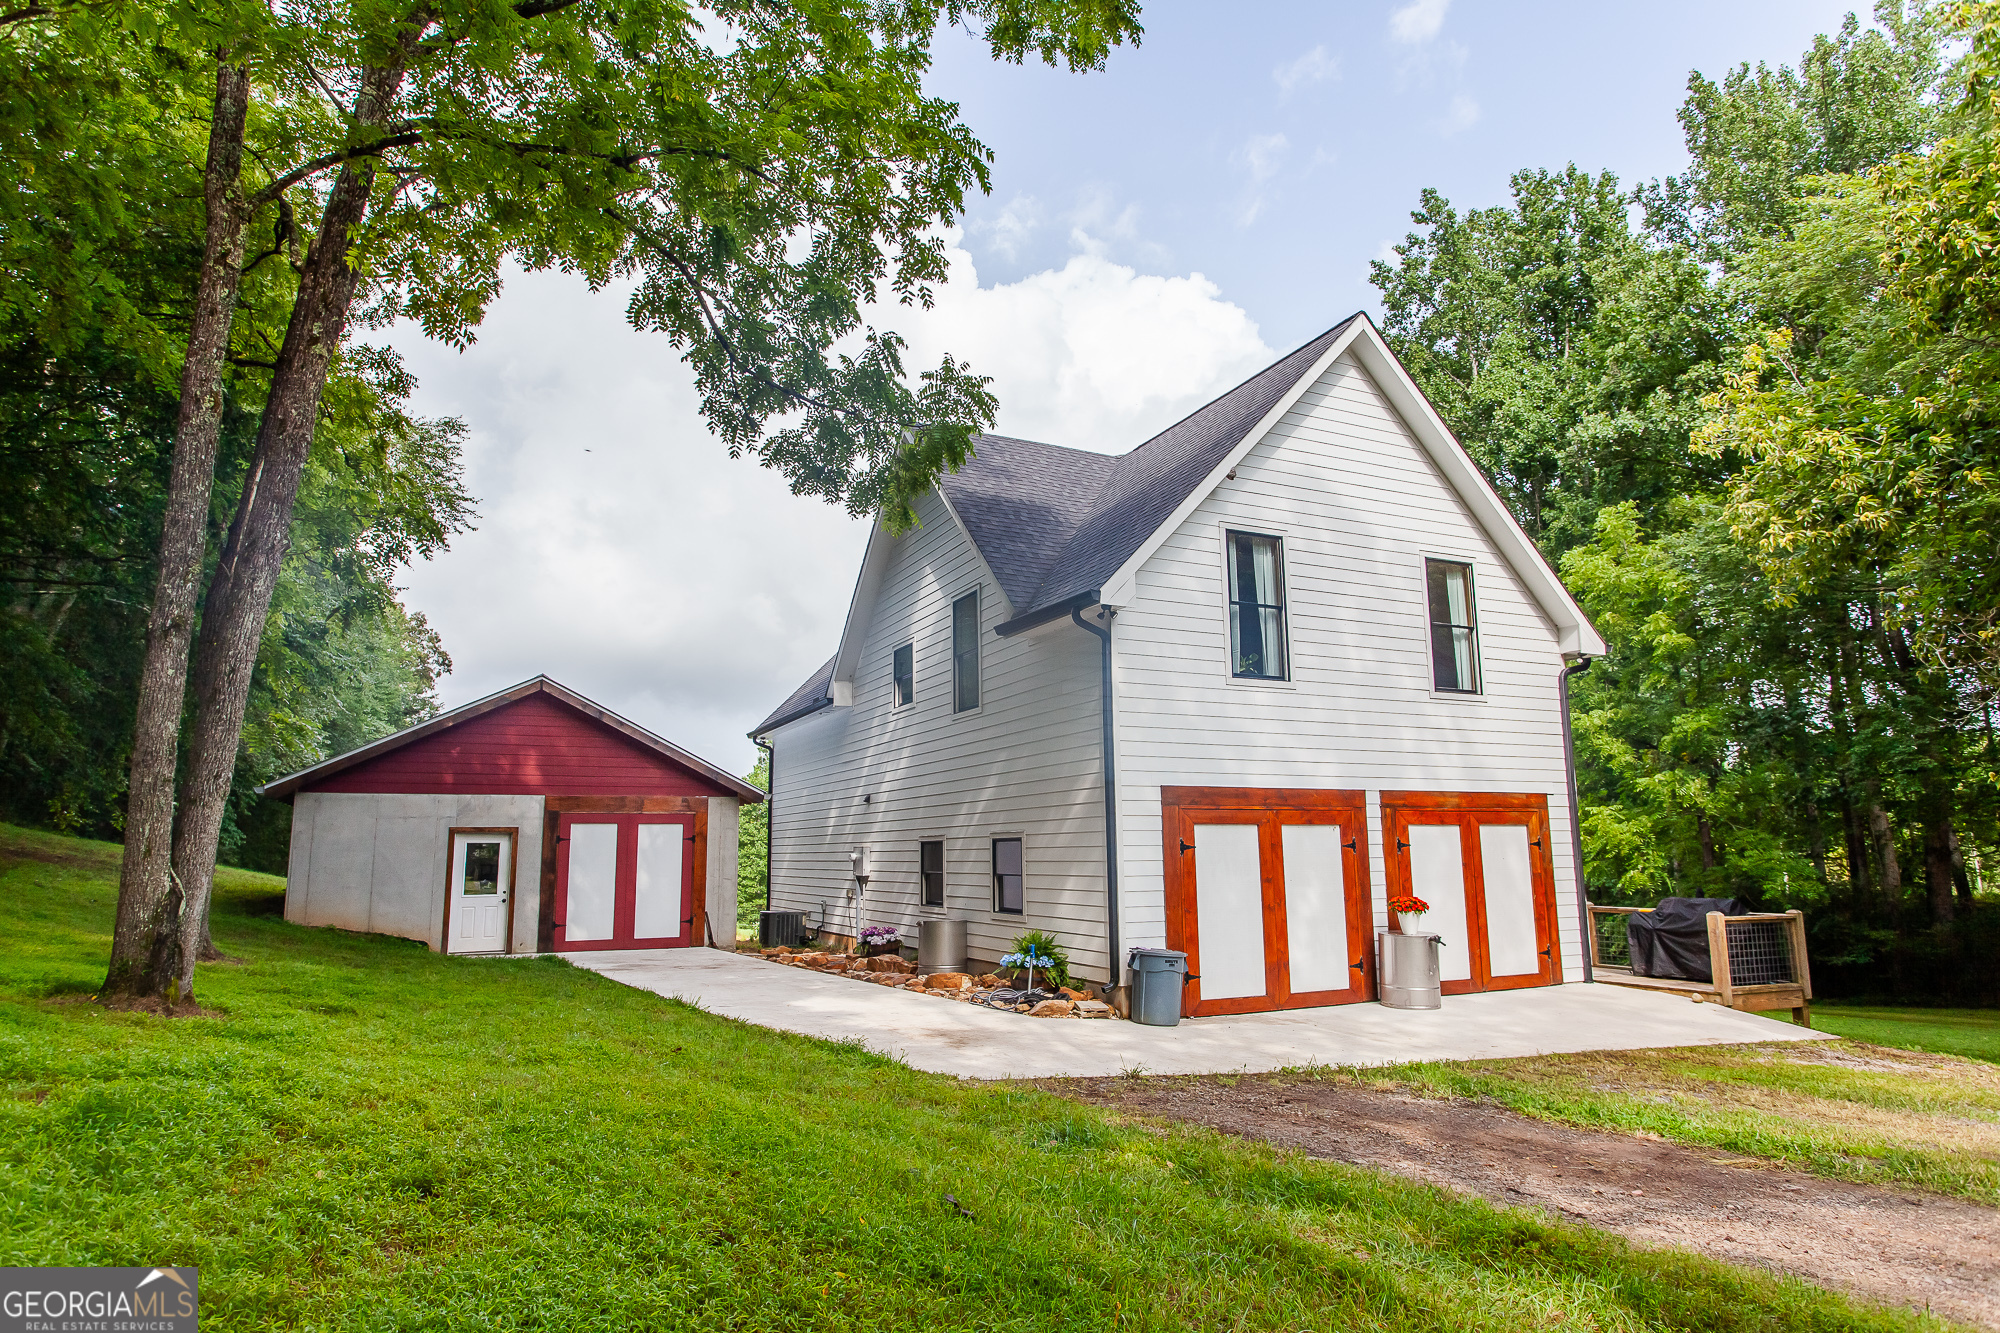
x: 762, y: 182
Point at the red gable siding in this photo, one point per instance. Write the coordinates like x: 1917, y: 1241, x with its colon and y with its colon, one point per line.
x: 532, y: 747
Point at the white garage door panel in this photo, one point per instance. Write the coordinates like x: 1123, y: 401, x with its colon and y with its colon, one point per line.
x: 1437, y: 875
x: 1315, y: 908
x: 656, y: 912
x: 1510, y: 901
x: 593, y: 880
x: 1229, y: 910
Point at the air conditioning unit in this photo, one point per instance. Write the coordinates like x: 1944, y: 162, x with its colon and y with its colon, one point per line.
x: 781, y: 929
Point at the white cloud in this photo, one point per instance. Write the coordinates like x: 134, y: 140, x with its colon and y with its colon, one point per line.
x: 623, y: 552
x: 1260, y: 157
x: 1462, y: 113
x: 1315, y: 66
x: 1017, y: 222
x: 1418, y: 21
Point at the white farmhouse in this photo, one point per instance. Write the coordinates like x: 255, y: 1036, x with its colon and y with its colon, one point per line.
x: 1293, y: 653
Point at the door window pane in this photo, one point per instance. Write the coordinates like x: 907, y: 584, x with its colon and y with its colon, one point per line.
x: 656, y: 905
x: 482, y: 868
x: 1454, y: 633
x: 1511, y: 947
x: 1008, y: 895
x: 1437, y: 875
x: 906, y: 674
x: 593, y: 881
x: 1256, y: 606
x: 930, y: 863
x: 965, y: 653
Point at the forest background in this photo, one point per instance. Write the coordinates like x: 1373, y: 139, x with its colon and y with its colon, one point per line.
x: 1746, y: 410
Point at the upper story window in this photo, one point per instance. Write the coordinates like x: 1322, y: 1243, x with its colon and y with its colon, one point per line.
x: 1256, y: 607
x: 1454, y: 627
x: 930, y: 872
x: 906, y: 674
x: 965, y: 653
x: 1008, y: 895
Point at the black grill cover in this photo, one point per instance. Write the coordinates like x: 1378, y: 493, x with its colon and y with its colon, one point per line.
x: 1672, y: 939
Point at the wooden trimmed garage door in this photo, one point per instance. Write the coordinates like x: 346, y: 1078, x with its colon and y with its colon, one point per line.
x: 1482, y: 863
x: 624, y: 881
x: 1267, y: 892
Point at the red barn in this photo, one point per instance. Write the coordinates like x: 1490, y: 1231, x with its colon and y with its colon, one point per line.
x: 628, y: 841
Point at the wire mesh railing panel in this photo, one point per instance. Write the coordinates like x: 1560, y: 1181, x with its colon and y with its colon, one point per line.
x: 1760, y: 953
x: 1614, y: 946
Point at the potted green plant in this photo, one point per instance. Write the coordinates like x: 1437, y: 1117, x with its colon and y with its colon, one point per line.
x: 1037, y: 951
x: 880, y: 940
x: 1409, y: 912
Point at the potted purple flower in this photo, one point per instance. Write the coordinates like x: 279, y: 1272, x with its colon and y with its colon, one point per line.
x: 880, y: 940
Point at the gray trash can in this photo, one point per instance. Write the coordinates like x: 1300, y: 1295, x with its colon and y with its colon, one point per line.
x: 1158, y: 978
x: 1409, y: 970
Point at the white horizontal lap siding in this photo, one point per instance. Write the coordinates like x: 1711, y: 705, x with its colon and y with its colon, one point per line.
x: 1359, y: 505
x: 1024, y: 763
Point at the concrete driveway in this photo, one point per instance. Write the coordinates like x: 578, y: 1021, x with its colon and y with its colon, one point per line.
x: 972, y: 1042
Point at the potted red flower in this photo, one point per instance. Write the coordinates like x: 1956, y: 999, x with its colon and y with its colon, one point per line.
x: 1409, y: 912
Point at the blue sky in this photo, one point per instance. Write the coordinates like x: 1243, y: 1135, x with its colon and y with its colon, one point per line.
x: 1156, y: 232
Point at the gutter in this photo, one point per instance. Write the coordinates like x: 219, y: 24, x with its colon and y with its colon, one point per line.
x: 1068, y: 606
x: 1576, y: 668
x: 770, y: 812
x: 1103, y: 633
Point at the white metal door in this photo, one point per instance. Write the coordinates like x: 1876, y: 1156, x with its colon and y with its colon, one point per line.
x: 1315, y: 908
x: 1511, y: 944
x: 656, y: 904
x: 482, y: 874
x: 1437, y: 875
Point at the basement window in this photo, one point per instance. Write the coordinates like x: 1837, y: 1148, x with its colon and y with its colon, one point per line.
x: 1007, y: 889
x: 930, y: 872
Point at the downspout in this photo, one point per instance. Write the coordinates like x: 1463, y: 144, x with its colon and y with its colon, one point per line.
x: 1576, y: 668
x: 770, y: 812
x: 1103, y: 634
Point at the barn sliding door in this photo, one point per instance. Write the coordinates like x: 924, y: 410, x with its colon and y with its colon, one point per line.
x: 1481, y: 861
x: 624, y: 881
x: 1267, y: 892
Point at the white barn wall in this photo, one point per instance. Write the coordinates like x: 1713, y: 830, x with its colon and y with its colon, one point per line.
x: 379, y: 862
x: 719, y: 893
x: 1359, y: 505
x: 1024, y: 763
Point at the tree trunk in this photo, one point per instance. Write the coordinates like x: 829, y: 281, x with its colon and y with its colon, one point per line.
x: 1706, y: 834
x: 145, y: 943
x: 1960, y: 880
x: 1937, y: 859
x: 239, y: 594
x: 1891, y: 877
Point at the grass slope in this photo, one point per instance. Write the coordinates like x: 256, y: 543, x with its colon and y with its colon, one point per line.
x: 1972, y: 1033
x: 373, y: 1136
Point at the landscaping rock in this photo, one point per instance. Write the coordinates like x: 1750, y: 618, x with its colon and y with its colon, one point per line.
x: 992, y: 979
x: 1051, y: 1009
x: 890, y: 962
x: 1074, y: 996
x: 1095, y: 1009
x: 948, y: 981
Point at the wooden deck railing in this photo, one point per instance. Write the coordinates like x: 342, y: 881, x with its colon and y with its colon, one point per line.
x: 1756, y: 961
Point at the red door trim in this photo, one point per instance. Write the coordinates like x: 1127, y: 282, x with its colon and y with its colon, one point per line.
x: 1270, y: 809
x: 624, y: 901
x: 1468, y: 810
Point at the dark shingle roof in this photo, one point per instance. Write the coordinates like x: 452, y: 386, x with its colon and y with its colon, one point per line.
x: 1021, y: 501
x: 1054, y: 523
x: 1149, y: 483
x: 807, y: 698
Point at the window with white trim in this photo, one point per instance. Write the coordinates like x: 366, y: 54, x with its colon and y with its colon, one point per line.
x: 1256, y: 607
x: 1008, y: 892
x: 905, y: 673
x: 1454, y: 627
x: 965, y: 653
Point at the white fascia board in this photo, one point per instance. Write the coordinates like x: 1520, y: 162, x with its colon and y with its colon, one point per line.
x: 986, y: 573
x: 867, y: 587
x: 1575, y: 635
x: 1118, y: 589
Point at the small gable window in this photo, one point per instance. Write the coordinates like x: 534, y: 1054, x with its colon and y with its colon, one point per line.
x: 965, y: 653
x: 1454, y: 628
x: 930, y: 871
x: 1007, y: 891
x: 1256, y: 607
x: 906, y: 674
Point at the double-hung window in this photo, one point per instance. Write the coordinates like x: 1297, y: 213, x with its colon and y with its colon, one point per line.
x: 1256, y: 607
x: 905, y: 674
x: 1454, y: 627
x: 1007, y: 891
x: 930, y: 872
x: 965, y: 653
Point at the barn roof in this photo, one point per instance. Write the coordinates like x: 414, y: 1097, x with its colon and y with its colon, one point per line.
x: 284, y: 788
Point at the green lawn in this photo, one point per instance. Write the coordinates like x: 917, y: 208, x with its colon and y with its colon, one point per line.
x: 372, y: 1136
x: 1973, y: 1033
